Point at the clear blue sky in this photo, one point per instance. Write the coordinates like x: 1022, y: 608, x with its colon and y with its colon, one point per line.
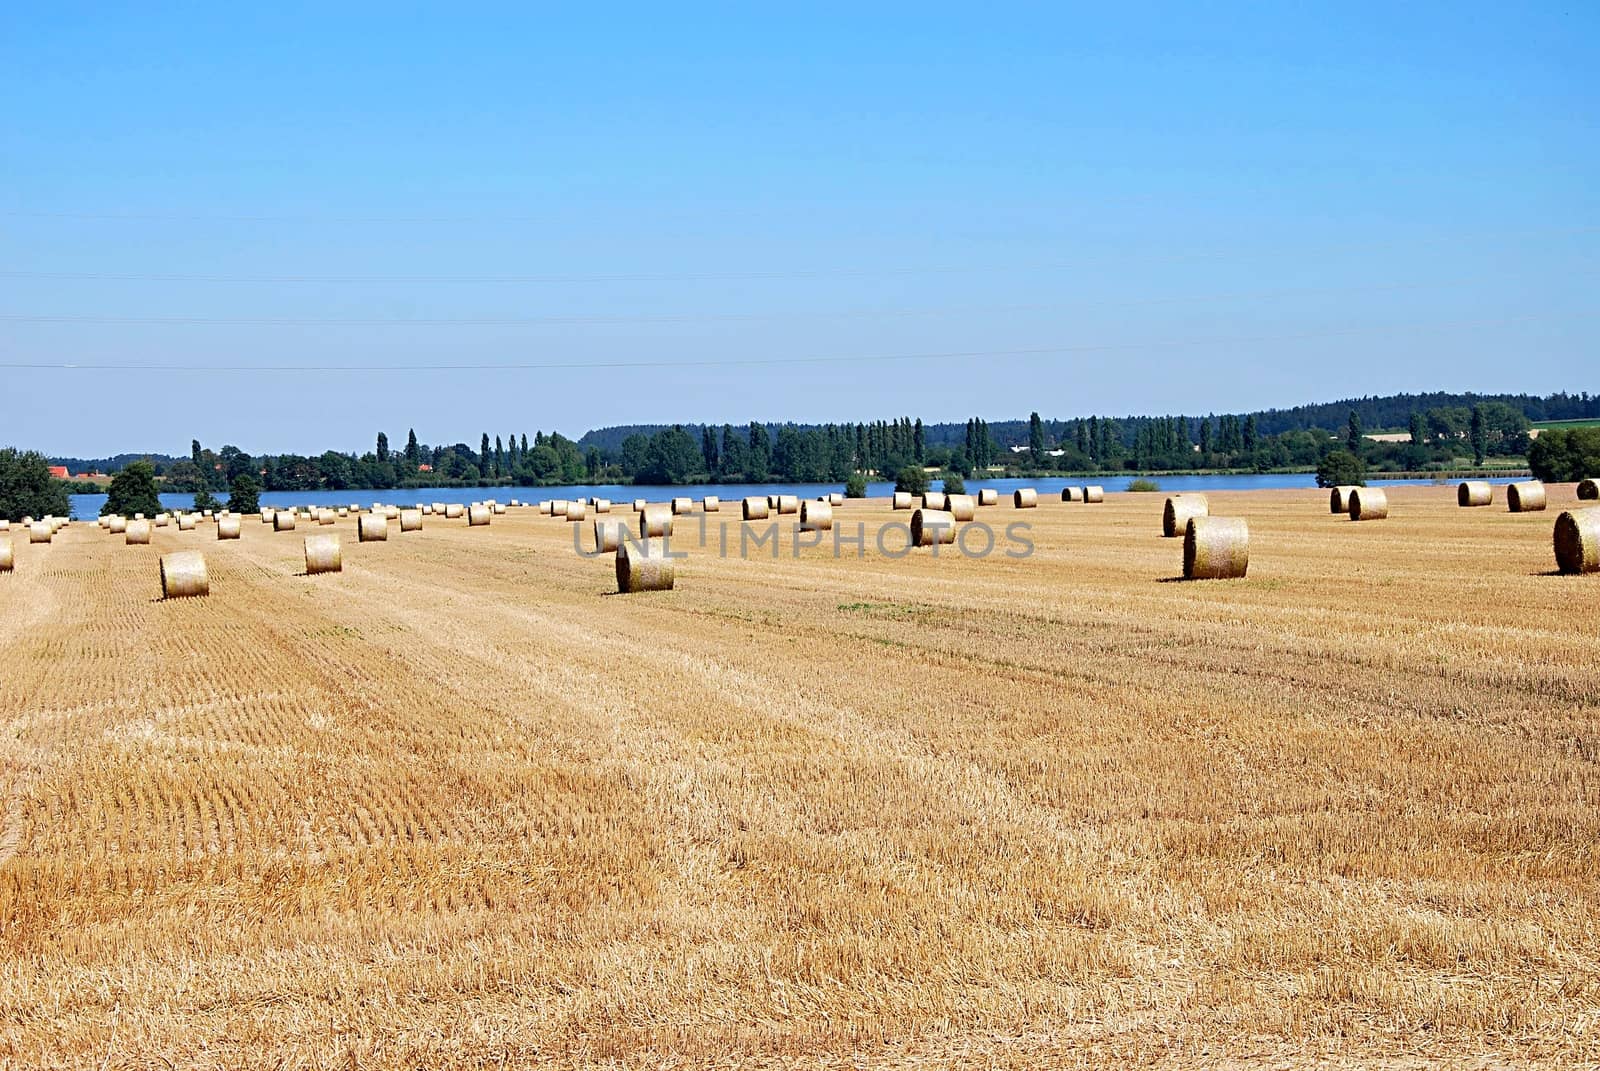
x: 1195, y: 210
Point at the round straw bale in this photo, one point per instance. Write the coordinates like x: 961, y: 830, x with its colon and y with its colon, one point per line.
x: 932, y: 525
x: 117, y: 525
x: 544, y: 507
x: 372, y: 528
x: 576, y: 511
x: 644, y: 568
x: 558, y: 508
x: 8, y: 556
x: 816, y: 516
x: 961, y: 507
x: 788, y: 504
x: 326, y: 516
x: 584, y: 500
x: 104, y: 521
x: 1588, y: 490
x: 1368, y: 504
x: 601, y: 505
x: 438, y: 508
x: 138, y: 532
x: 26, y: 520
x: 392, y: 513
x: 639, y: 504
x: 480, y: 516
x: 1577, y: 539
x: 283, y: 521
x: 163, y: 519
x: 5, y: 525
x: 608, y: 534
x: 411, y: 520
x: 1025, y: 498
x: 40, y: 532
x: 323, y: 554
x: 187, y: 521
x: 1176, y: 513
x: 934, y: 500
x: 988, y: 496
x: 902, y: 500
x: 341, y: 511
x: 454, y: 510
x: 711, y: 504
x: 1525, y: 497
x: 497, y: 508
x: 1339, y: 498
x: 1475, y: 493
x: 228, y: 527
x: 206, y: 514
x: 655, y: 520
x: 1216, y: 548
x: 1072, y: 494
x: 267, y: 515
x: 756, y: 508
x: 1094, y: 493
x: 136, y: 516
x: 682, y: 505
x: 772, y: 502
x: 835, y: 498
x: 183, y: 575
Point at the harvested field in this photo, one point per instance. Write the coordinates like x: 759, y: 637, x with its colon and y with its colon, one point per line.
x: 459, y: 805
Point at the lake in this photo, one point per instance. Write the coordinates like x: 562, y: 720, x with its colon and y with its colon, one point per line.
x: 87, y: 507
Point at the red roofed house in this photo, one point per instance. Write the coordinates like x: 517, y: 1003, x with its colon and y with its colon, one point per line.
x: 60, y: 472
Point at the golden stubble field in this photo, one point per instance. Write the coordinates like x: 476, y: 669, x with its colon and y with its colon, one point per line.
x: 461, y: 806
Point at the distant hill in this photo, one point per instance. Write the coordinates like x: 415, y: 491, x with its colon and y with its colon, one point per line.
x: 76, y: 465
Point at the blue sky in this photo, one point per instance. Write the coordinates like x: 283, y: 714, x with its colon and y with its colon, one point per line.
x: 1174, y: 209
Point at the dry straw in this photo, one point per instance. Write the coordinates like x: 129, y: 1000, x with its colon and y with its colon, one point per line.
x: 163, y: 519
x: 1216, y: 548
x: 756, y: 508
x: 902, y: 500
x: 228, y: 527
x: 454, y: 510
x: 682, y: 505
x: 711, y: 504
x: 929, y: 526
x: 1094, y: 493
x: 988, y: 496
x: 342, y: 512
x: 558, y: 508
x: 1072, y: 494
x: 934, y: 500
x: 544, y: 507
x: 1025, y: 498
x: 326, y: 516
x: 439, y: 508
x: 772, y: 502
x: 962, y: 507
x: 644, y: 567
x: 138, y: 532
x: 1525, y: 497
x: 1577, y: 539
x: 1368, y: 504
x: 117, y: 525
x: 1175, y: 515
x: 40, y: 532
x: 608, y: 535
x: 576, y: 511
x: 655, y: 520
x: 5, y: 525
x: 411, y: 520
x: 816, y: 516
x: 835, y: 498
x: 788, y: 503
x: 183, y: 575
x: 372, y: 528
x: 8, y: 555
x: 1475, y: 493
x: 479, y: 516
x: 498, y: 508
x: 601, y: 505
x: 390, y: 513
x: 323, y: 554
x: 1588, y: 490
x: 639, y: 504
x: 283, y: 521
x: 187, y: 521
x: 1339, y: 498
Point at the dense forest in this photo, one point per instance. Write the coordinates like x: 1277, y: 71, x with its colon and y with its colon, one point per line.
x: 1436, y: 431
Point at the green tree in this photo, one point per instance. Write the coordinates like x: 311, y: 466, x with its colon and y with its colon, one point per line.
x: 499, y: 456
x: 1250, y: 440
x: 244, y: 494
x: 919, y: 442
x: 855, y: 485
x: 953, y: 484
x: 383, y: 447
x: 912, y: 479
x: 1341, y: 468
x: 1035, y: 438
x: 205, y: 500
x: 1352, y: 434
x: 1419, y: 433
x: 1562, y: 455
x: 1480, y: 435
x: 484, y: 458
x: 133, y: 490
x: 27, y: 489
x: 413, y: 451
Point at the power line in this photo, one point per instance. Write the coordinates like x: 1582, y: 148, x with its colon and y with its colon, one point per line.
x: 764, y: 361
x: 844, y: 314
